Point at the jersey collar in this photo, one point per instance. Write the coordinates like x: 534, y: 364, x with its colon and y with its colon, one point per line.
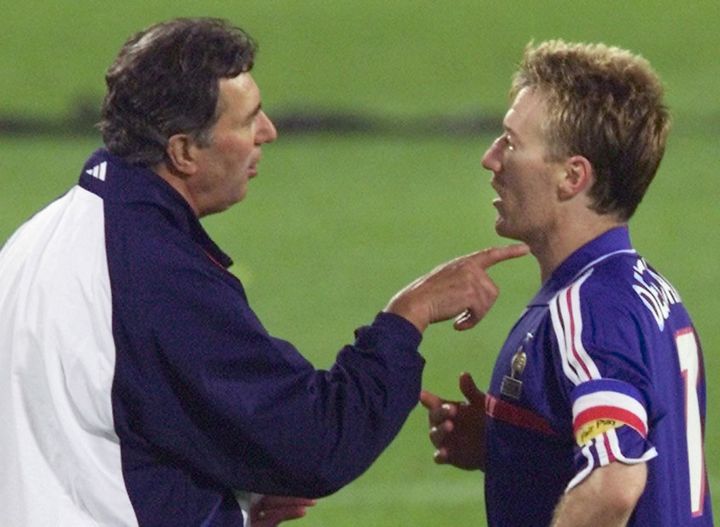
x: 610, y: 243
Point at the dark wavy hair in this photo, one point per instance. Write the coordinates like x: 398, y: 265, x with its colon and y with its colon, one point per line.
x: 164, y: 81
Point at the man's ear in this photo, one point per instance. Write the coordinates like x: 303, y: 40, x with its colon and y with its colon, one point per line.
x: 181, y: 151
x: 578, y: 177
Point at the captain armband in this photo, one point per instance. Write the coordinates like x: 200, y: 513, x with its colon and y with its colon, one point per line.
x: 602, y: 405
x: 586, y: 432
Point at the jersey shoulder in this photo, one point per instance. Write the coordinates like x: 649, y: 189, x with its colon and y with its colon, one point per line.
x: 628, y: 286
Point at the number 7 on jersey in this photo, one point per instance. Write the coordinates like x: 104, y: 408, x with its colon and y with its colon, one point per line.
x: 687, y: 349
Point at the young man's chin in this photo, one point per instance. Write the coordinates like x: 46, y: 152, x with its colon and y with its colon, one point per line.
x: 503, y: 229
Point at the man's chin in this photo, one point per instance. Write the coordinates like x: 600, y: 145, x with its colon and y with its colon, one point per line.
x: 506, y: 231
x: 501, y: 228
x: 221, y: 206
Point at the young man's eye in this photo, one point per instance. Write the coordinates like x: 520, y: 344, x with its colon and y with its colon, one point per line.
x: 508, y: 142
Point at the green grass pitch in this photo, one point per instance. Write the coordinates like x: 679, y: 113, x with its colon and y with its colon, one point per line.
x: 334, y: 225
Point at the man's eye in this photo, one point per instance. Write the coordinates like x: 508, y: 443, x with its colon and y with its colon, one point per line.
x: 508, y: 143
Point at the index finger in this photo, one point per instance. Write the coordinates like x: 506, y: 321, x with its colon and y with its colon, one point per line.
x: 493, y: 255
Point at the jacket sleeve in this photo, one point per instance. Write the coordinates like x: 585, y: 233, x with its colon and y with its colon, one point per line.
x: 201, y: 382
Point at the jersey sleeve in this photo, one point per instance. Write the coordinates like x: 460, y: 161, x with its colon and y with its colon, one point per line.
x: 609, y: 424
x: 599, y: 362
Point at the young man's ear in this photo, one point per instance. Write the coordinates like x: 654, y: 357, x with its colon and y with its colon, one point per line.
x: 181, y: 151
x: 578, y: 177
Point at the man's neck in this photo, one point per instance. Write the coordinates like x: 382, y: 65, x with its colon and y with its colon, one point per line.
x: 178, y: 182
x: 556, y: 247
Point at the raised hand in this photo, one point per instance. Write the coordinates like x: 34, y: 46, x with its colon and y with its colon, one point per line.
x: 457, y: 429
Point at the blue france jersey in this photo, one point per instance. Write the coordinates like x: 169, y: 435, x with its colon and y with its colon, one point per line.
x: 604, y: 365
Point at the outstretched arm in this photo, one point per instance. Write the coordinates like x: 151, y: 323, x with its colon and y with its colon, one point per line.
x: 255, y: 414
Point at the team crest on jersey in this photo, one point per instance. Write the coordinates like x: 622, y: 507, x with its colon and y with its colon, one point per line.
x: 511, y: 385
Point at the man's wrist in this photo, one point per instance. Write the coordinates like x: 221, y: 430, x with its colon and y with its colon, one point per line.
x: 409, y: 314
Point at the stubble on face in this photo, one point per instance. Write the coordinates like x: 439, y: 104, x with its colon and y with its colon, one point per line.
x: 523, y: 178
x: 231, y: 157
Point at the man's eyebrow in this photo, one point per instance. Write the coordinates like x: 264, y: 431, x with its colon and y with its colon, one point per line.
x: 256, y: 110
x: 250, y: 115
x: 511, y: 132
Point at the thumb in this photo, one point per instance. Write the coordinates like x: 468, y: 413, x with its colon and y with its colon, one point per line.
x: 470, y: 390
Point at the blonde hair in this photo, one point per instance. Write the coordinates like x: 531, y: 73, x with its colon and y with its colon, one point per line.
x: 603, y: 103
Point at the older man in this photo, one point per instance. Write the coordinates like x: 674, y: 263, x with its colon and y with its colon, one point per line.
x: 137, y: 386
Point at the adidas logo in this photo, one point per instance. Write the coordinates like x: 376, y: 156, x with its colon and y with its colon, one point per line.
x: 98, y: 171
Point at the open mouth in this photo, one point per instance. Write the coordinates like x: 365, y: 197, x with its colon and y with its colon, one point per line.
x: 252, y: 170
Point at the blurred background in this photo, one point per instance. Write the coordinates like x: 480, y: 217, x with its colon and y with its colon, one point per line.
x: 384, y: 109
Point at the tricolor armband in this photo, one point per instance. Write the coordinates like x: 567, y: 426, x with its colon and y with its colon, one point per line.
x: 601, y: 405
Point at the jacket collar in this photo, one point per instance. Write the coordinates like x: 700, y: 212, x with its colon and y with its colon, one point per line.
x: 117, y: 181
